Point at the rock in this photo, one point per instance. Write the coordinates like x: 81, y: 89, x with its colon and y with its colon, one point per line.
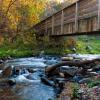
x: 1, y: 66
x: 24, y: 71
x: 62, y: 74
x: 86, y: 93
x: 67, y: 92
x: 89, y: 70
x: 7, y: 72
x: 11, y: 82
x: 0, y: 71
x: 42, y: 53
x: 3, y: 82
x: 1, y: 61
x: 60, y: 82
x: 31, y: 70
x: 93, y: 73
x: 67, y: 58
x: 9, y: 58
x: 34, y: 76
x: 85, y: 80
x: 77, y: 78
x: 69, y: 70
x: 47, y: 82
x: 88, y: 48
x: 74, y: 50
x: 16, y: 71
x: 97, y: 77
x: 80, y: 91
x: 97, y: 67
x: 23, y: 79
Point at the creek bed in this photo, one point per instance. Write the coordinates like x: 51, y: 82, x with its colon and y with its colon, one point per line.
x: 26, y: 89
x: 29, y: 86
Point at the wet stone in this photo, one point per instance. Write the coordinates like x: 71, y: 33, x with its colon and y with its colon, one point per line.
x: 69, y: 70
x: 85, y: 80
x: 1, y: 61
x: 97, y: 67
x: 7, y: 72
x: 67, y: 58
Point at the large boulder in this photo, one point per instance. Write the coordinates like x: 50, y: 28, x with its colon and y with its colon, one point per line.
x: 69, y: 70
x: 1, y: 61
x: 96, y: 68
x: 1, y: 64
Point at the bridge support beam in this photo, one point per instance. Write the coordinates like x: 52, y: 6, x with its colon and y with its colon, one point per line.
x: 39, y: 40
x: 76, y: 18
x: 98, y: 14
x: 62, y: 21
x: 52, y: 25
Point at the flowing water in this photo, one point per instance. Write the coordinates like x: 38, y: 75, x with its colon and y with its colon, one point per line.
x: 30, y: 88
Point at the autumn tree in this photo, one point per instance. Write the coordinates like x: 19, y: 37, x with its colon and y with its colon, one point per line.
x: 17, y: 16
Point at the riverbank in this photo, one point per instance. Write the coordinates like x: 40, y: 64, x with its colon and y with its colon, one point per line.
x: 89, y: 90
x: 82, y: 83
x: 75, y: 44
x: 17, y: 52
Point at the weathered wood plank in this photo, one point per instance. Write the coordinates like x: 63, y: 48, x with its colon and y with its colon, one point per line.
x: 45, y: 26
x: 62, y: 21
x: 99, y: 14
x: 76, y: 18
x: 82, y: 16
x: 52, y: 25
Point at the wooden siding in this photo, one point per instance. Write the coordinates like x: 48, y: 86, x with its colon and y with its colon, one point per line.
x: 82, y: 16
x: 87, y: 14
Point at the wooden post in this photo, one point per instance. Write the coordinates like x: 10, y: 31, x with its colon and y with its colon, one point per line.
x: 98, y: 14
x: 52, y: 25
x: 76, y: 18
x: 46, y: 27
x: 62, y: 22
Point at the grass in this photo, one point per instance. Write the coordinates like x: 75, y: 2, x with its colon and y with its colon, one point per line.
x: 53, y: 51
x: 18, y: 49
x: 84, y: 47
x: 93, y: 47
x: 17, y: 52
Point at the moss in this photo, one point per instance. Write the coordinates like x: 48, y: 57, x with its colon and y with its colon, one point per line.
x: 94, y: 83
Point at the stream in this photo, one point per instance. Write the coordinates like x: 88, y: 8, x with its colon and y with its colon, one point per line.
x: 28, y: 85
x: 31, y: 88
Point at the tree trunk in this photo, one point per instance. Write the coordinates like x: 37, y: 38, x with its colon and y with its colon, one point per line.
x: 71, y: 63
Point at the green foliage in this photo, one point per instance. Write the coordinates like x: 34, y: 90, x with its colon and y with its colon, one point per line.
x: 54, y: 51
x: 85, y: 45
x: 75, y: 88
x: 17, y: 52
x: 81, y: 44
x: 94, y: 83
x: 24, y: 45
x: 16, y: 18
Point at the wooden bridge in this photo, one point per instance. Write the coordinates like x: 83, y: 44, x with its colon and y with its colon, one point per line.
x: 82, y: 17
